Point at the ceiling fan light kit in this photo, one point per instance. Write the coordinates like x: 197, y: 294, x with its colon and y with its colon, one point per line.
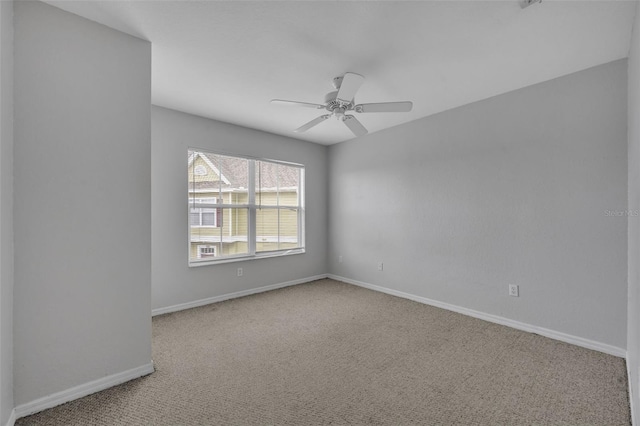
x: 341, y: 101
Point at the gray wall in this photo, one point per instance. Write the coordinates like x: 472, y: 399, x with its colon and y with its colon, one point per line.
x: 173, y: 281
x: 513, y: 189
x: 82, y: 171
x: 633, y: 323
x: 6, y: 210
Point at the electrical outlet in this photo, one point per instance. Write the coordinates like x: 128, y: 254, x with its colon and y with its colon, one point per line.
x: 239, y: 272
x: 339, y: 259
x: 380, y: 266
x: 514, y: 290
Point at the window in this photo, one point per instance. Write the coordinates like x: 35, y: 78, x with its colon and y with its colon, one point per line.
x: 206, y: 251
x: 243, y: 208
x: 202, y: 216
x: 200, y: 170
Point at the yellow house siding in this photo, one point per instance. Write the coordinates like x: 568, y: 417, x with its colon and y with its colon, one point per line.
x: 268, y: 219
x: 271, y: 198
x: 210, y: 176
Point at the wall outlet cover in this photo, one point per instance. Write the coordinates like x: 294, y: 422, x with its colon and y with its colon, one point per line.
x: 514, y: 291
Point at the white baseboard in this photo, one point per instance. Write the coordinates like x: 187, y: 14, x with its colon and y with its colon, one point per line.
x: 557, y: 335
x: 632, y: 405
x: 85, y: 389
x: 214, y: 299
x: 12, y: 418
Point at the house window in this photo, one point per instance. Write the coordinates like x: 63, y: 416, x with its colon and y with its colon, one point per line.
x: 203, y: 216
x: 206, y: 252
x: 242, y: 208
x: 200, y: 170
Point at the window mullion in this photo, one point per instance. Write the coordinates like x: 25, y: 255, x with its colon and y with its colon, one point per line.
x: 278, y: 203
x: 251, y: 235
x: 301, y: 213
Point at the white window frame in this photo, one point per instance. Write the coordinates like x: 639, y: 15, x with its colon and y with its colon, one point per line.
x: 252, y: 207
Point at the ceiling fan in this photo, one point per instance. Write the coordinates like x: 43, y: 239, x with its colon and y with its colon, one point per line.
x: 341, y: 101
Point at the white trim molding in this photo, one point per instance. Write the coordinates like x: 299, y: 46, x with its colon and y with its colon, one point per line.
x: 221, y: 298
x: 632, y: 404
x: 79, y: 391
x: 12, y: 418
x: 557, y: 335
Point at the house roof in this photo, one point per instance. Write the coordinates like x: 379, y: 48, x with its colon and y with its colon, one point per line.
x: 233, y: 173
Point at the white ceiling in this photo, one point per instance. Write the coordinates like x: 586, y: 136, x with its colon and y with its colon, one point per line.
x: 227, y: 59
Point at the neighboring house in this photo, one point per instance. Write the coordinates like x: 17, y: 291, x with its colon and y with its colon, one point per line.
x: 219, y: 206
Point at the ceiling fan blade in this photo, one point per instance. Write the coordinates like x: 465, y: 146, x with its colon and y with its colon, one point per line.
x: 312, y: 123
x: 351, y: 82
x: 385, y: 107
x: 295, y: 103
x: 355, y: 126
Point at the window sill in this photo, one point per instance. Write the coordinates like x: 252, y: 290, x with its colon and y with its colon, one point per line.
x: 265, y: 255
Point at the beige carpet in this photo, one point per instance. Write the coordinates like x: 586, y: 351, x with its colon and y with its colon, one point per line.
x: 331, y: 353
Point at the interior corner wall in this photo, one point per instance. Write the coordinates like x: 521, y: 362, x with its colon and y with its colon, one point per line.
x: 82, y: 185
x: 633, y: 322
x: 526, y: 188
x: 6, y: 210
x: 173, y: 281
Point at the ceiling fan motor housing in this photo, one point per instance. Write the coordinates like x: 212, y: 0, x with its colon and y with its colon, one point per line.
x: 333, y: 104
